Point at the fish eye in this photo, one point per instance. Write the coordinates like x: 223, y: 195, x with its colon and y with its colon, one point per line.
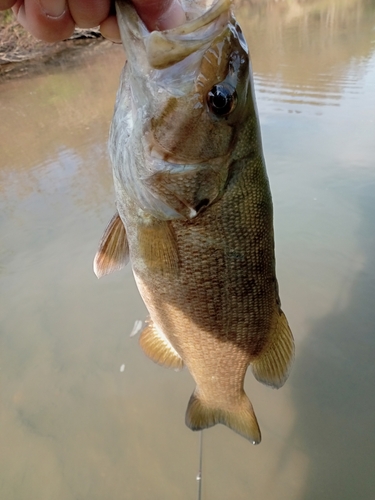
x: 221, y: 99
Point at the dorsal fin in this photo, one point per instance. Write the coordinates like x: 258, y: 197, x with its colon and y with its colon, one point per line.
x: 273, y: 366
x: 113, y: 251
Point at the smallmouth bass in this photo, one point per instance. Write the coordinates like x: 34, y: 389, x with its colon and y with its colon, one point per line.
x: 195, y: 211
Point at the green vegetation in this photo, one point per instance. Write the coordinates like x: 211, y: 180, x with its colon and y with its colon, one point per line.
x: 6, y: 17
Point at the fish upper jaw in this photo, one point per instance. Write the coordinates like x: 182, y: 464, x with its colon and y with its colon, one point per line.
x: 165, y: 63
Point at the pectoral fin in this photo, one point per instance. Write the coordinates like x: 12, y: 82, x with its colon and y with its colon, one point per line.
x: 158, y: 246
x: 240, y: 419
x: 273, y: 366
x: 158, y: 348
x: 113, y: 251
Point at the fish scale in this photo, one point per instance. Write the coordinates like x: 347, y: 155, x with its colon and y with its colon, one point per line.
x: 195, y: 212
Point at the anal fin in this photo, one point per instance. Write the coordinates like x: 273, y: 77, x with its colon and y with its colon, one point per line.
x: 113, y: 251
x: 158, y: 348
x: 240, y: 419
x: 158, y: 246
x: 273, y: 366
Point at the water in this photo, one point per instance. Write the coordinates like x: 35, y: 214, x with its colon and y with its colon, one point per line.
x: 84, y: 414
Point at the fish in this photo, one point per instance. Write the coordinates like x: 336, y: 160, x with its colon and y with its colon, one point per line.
x: 194, y: 211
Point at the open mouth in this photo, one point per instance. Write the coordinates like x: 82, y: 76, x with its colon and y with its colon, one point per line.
x: 165, y: 48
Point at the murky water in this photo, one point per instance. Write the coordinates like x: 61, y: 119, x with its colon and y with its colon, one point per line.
x: 84, y: 414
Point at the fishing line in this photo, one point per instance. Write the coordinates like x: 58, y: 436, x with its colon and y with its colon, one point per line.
x: 199, y: 475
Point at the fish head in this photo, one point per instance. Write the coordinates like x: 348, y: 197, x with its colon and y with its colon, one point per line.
x: 190, y: 93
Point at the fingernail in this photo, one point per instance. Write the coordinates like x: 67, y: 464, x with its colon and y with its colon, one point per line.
x: 109, y: 29
x: 53, y: 8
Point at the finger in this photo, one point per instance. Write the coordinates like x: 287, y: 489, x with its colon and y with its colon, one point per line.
x: 6, y: 4
x: 160, y: 14
x: 109, y: 29
x: 48, y: 20
x: 89, y: 13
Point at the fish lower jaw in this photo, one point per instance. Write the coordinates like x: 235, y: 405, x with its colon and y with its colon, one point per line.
x: 166, y: 48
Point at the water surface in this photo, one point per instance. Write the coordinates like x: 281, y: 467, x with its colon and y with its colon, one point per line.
x: 74, y: 421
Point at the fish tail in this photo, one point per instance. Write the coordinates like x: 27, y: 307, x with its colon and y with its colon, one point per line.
x: 241, y: 418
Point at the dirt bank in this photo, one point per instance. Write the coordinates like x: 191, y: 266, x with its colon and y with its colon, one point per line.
x: 21, y: 53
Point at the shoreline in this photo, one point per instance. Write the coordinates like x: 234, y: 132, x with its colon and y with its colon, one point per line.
x: 22, y: 54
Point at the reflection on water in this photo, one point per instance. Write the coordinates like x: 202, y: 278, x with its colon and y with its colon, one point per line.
x: 308, y: 52
x: 73, y: 424
x: 336, y: 406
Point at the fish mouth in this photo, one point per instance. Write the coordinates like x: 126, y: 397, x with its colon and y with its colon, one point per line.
x: 168, y: 47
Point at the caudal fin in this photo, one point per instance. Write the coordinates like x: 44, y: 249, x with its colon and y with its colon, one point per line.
x: 240, y: 419
x: 273, y: 366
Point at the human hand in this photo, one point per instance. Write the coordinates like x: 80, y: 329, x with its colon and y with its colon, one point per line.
x: 55, y: 20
